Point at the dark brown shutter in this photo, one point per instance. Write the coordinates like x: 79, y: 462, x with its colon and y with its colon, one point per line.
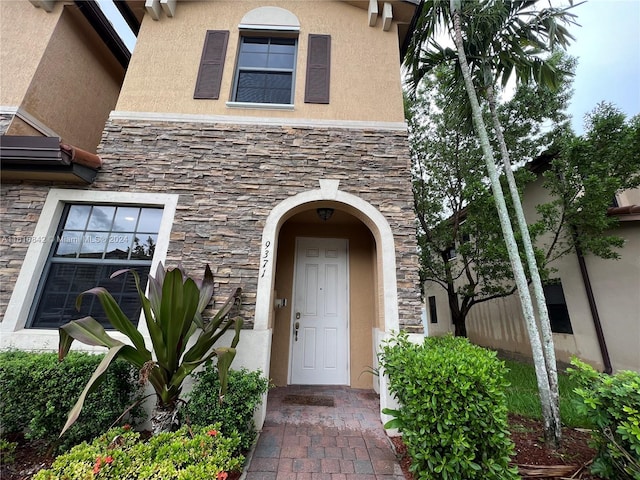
x: 211, y: 64
x: 318, y: 69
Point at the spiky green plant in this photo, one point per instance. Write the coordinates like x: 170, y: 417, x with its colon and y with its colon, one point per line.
x: 181, y: 340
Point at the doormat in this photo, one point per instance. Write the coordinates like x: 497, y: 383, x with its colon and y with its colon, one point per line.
x: 313, y: 400
x: 369, y: 395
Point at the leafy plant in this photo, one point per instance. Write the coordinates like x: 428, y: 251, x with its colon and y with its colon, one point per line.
x: 612, y: 403
x: 453, y: 414
x: 7, y: 451
x: 197, y: 454
x: 37, y: 391
x: 244, y: 394
x: 173, y: 314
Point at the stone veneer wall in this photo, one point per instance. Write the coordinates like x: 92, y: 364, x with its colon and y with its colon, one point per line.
x: 229, y: 177
x: 5, y: 121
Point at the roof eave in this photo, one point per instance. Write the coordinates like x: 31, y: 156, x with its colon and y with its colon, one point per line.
x: 103, y: 27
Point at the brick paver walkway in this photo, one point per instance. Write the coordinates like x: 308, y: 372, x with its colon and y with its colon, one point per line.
x: 306, y: 442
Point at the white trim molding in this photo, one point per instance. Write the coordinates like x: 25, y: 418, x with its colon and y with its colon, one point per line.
x: 246, y: 120
x: 359, y: 208
x: 261, y: 106
x: 270, y: 18
x: 12, y: 328
x: 7, y: 110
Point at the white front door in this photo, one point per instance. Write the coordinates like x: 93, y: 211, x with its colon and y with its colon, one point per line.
x: 319, y: 327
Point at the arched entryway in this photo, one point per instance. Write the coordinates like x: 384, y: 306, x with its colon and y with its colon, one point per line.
x: 369, y: 280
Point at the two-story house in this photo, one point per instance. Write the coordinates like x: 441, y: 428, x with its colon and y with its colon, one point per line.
x: 266, y: 139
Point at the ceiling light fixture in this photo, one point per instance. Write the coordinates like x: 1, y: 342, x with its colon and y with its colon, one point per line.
x: 324, y: 213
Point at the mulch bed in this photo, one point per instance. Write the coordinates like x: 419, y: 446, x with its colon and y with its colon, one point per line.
x: 535, y: 461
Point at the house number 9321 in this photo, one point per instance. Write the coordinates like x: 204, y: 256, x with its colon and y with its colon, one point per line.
x: 265, y: 257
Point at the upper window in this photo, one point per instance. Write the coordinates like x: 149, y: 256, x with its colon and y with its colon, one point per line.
x: 91, y: 243
x: 265, y: 70
x: 264, y: 74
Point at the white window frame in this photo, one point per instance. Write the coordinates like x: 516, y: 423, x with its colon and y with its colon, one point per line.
x: 13, y: 333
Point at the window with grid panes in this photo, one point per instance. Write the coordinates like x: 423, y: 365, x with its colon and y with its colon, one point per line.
x: 92, y: 242
x: 265, y: 70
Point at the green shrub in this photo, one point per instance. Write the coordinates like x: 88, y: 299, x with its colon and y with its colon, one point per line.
x: 7, y: 451
x: 193, y: 454
x: 244, y: 394
x: 37, y: 392
x: 453, y: 414
x: 612, y: 403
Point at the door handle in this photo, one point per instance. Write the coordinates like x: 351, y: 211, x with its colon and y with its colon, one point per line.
x: 297, y: 326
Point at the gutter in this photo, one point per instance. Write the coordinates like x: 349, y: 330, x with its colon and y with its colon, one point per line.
x: 628, y: 213
x: 46, y: 158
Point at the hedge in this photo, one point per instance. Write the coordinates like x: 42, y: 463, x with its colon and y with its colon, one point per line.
x: 37, y: 392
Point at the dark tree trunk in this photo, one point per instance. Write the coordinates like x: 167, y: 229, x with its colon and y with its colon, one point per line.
x: 458, y: 318
x: 460, y: 324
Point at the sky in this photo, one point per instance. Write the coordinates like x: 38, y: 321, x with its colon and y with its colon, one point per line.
x: 607, y: 46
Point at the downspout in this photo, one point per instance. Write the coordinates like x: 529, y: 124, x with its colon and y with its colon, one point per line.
x: 606, y: 360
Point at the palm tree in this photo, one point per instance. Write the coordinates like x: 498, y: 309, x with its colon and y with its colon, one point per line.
x: 501, y: 37
x: 525, y: 33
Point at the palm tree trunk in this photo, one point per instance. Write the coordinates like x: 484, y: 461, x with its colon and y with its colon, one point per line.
x: 543, y: 313
x: 507, y: 230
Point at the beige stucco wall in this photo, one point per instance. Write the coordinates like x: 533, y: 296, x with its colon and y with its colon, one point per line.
x: 75, y: 85
x: 365, y: 72
x: 443, y: 324
x: 629, y: 197
x: 616, y: 286
x: 24, y: 34
x: 362, y: 310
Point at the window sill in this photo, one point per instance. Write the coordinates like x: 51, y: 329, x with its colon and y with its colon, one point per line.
x: 261, y: 106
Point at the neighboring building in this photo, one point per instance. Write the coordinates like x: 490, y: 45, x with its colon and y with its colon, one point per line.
x: 61, y: 71
x: 601, y: 327
x: 264, y: 138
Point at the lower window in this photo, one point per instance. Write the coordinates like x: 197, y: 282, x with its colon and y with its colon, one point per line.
x: 91, y: 243
x: 433, y: 311
x: 557, y: 307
